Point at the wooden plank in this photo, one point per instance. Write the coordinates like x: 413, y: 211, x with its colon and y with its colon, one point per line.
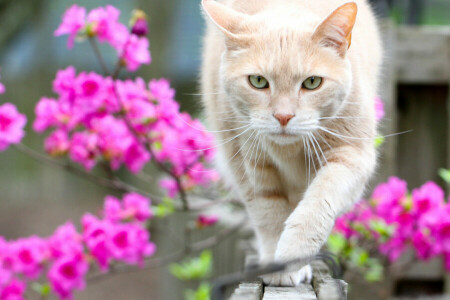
x: 302, y: 292
x: 423, y: 55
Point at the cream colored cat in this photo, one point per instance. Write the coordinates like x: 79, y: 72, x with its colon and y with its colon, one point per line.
x: 292, y: 104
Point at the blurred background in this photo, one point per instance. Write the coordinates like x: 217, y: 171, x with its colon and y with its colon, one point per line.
x: 35, y: 198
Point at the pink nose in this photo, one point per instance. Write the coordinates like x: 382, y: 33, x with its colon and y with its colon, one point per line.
x: 283, y: 119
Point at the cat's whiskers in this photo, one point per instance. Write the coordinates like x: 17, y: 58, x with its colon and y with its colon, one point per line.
x: 215, y: 146
x: 320, y: 149
x: 344, y: 137
x: 256, y: 162
x: 211, y: 131
x: 245, y: 158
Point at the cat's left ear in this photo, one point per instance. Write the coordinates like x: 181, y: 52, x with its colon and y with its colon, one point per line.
x: 336, y: 30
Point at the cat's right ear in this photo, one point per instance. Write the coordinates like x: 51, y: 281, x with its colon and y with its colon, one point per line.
x: 226, y: 19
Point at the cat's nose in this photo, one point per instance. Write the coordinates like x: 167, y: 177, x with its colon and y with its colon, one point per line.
x: 283, y: 118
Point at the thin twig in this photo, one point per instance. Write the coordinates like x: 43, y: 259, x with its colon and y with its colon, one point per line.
x: 115, y: 183
x: 148, y: 147
x: 99, y: 56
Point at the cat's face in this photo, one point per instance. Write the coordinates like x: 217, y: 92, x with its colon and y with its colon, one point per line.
x: 284, y: 81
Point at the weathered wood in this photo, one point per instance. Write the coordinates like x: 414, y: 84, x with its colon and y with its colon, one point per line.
x: 302, y: 292
x: 325, y: 286
x: 423, y: 55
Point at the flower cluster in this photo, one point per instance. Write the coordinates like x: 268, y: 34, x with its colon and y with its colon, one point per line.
x: 11, y: 125
x: 96, y: 118
x: 66, y: 257
x: 398, y: 220
x: 103, y: 23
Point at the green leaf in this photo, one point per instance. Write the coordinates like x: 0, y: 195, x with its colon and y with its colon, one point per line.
x: 379, y: 140
x: 445, y: 174
x: 41, y: 289
x: 164, y: 209
x: 375, y: 271
x: 202, y: 293
x: 195, y: 268
x: 359, y: 257
x: 336, y: 243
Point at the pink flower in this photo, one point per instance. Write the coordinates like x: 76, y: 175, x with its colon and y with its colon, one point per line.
x: 136, y: 52
x: 96, y: 234
x: 83, y: 149
x: 29, y: 254
x: 73, y: 20
x: 427, y: 197
x: 65, y: 241
x: 136, y: 157
x: 137, y: 207
x: 11, y: 125
x: 14, y: 290
x: 379, y: 109
x: 67, y: 274
x: 112, y: 209
x: 170, y: 185
x: 104, y: 23
x: 130, y: 243
x: 57, y: 143
x: 2, y: 88
x: 206, y: 221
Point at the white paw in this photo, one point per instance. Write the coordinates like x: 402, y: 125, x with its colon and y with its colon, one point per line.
x: 304, y: 275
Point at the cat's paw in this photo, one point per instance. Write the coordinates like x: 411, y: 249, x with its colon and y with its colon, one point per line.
x: 304, y: 275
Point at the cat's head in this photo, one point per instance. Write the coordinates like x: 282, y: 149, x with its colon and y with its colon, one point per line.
x: 284, y: 76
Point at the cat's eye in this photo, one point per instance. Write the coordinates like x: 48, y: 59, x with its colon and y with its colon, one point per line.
x: 312, y: 83
x: 258, y: 81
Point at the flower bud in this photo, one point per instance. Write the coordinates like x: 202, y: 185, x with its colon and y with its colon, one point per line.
x: 139, y: 23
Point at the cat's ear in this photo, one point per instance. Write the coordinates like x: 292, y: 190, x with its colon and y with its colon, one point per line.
x: 226, y: 19
x: 336, y: 30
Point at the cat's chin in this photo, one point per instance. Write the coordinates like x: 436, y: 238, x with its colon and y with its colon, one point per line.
x: 284, y: 138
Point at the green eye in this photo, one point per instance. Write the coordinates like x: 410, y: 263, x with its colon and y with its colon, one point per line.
x: 312, y: 83
x: 258, y: 81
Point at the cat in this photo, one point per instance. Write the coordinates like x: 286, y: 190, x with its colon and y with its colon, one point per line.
x: 288, y: 87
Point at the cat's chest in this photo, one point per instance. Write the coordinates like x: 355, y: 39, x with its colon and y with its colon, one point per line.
x: 295, y: 175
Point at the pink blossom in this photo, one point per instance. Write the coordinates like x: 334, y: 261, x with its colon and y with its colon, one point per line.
x: 65, y: 241
x: 170, y: 185
x: 96, y: 234
x: 72, y: 22
x: 83, y: 149
x: 130, y: 243
x: 67, y: 274
x: 57, y: 143
x: 112, y: 209
x: 136, y: 52
x: 136, y: 157
x: 14, y: 290
x: 206, y: 221
x: 379, y: 109
x: 11, y: 125
x: 427, y: 197
x: 136, y: 207
x: 104, y: 23
x: 2, y: 88
x: 29, y: 254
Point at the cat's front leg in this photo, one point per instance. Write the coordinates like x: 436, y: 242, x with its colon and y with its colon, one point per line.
x: 337, y: 185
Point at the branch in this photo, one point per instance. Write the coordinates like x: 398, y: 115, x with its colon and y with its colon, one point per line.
x: 99, y: 56
x: 148, y: 147
x: 115, y: 183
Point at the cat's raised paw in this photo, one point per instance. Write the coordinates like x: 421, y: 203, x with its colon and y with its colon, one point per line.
x: 304, y: 275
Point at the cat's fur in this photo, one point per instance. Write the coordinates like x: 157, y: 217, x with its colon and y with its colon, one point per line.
x: 294, y: 180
